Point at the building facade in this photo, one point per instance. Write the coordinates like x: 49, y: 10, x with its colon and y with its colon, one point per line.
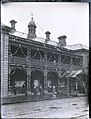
x: 36, y: 65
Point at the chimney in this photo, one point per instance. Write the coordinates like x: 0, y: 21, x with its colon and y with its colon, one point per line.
x: 62, y: 40
x: 47, y: 35
x: 13, y: 22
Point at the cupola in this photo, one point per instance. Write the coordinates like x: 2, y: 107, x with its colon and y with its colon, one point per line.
x: 31, y: 29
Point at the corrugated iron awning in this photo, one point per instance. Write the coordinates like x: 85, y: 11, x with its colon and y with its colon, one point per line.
x: 76, y: 73
x: 73, y: 73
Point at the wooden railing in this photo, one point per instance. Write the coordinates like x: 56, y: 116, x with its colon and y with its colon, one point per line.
x: 43, y: 63
x: 35, y: 62
x: 52, y: 65
x: 71, y: 66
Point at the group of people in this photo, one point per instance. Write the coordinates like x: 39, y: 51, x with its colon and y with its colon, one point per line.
x: 24, y: 90
x: 37, y: 90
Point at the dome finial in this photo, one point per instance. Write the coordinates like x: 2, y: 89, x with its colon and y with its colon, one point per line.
x: 31, y: 13
x: 31, y: 18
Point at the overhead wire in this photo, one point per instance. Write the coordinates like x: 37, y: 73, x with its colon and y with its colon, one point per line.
x: 41, y: 29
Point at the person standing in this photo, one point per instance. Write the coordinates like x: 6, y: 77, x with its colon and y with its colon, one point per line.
x: 24, y: 89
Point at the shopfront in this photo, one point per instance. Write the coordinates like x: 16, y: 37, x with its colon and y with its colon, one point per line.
x: 18, y: 81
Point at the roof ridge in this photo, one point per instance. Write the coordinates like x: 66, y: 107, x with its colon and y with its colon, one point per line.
x: 21, y: 32
x: 84, y: 45
x: 48, y: 41
x: 74, y: 44
x: 78, y: 44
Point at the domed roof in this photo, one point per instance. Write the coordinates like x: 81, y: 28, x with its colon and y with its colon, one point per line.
x: 32, y: 23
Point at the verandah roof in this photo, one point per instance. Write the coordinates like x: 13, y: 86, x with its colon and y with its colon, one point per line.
x: 73, y: 73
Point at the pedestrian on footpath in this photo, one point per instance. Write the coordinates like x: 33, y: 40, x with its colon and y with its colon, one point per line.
x: 24, y: 89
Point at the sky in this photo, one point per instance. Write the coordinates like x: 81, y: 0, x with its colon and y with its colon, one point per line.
x: 70, y: 19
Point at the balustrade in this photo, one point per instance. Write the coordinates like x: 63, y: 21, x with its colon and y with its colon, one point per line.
x: 34, y: 62
x: 37, y: 62
x: 52, y: 64
x: 17, y: 60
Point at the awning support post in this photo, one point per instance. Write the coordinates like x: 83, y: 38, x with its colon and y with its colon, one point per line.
x: 67, y: 86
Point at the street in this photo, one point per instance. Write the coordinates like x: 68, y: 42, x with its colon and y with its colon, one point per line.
x: 58, y: 108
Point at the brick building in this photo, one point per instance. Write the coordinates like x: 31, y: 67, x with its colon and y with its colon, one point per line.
x: 40, y: 65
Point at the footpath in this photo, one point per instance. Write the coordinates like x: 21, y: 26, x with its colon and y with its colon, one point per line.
x: 31, y: 98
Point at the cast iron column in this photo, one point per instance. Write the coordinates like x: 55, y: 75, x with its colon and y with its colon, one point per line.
x: 59, y: 69
x: 45, y: 72
x: 28, y: 69
x: 9, y: 85
x: 68, y: 86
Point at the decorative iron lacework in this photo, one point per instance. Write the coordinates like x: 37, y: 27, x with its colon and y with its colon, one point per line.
x: 65, y: 59
x: 12, y: 71
x: 34, y: 71
x: 52, y: 57
x: 37, y: 54
x: 18, y: 51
